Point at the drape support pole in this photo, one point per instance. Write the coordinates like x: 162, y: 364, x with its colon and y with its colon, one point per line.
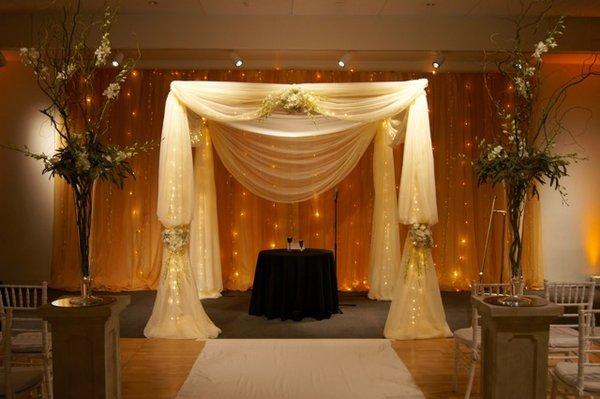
x: 493, y: 211
x: 335, y: 223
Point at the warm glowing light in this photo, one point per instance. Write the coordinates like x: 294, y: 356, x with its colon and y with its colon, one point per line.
x: 242, y: 213
x: 317, y: 214
x: 272, y: 245
x: 88, y: 99
x: 463, y: 240
x: 455, y: 273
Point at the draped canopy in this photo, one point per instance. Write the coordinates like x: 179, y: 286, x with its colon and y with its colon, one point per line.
x: 284, y: 157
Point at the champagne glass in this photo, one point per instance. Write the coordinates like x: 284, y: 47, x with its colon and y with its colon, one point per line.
x: 289, y: 243
x: 301, y: 242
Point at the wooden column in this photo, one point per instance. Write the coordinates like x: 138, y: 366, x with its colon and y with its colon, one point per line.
x: 85, y: 350
x: 514, y: 349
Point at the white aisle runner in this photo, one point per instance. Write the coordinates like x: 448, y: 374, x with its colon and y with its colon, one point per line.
x: 299, y: 369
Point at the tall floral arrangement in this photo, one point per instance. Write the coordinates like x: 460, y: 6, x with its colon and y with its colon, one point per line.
x: 65, y: 66
x: 522, y: 155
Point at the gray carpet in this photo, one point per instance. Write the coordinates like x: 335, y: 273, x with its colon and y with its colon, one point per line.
x: 230, y: 313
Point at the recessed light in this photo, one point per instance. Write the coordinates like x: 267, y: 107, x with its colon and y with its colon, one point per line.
x: 343, y: 61
x: 438, y: 61
x: 152, y: 2
x: 117, y: 60
x: 237, y: 60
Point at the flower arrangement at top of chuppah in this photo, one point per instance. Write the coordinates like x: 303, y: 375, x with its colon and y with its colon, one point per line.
x: 65, y: 67
x: 522, y: 155
x: 291, y: 100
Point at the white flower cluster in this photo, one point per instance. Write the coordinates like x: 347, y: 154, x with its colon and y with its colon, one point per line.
x: 112, y: 91
x: 29, y: 55
x: 420, y: 235
x: 66, y: 73
x: 495, y: 152
x: 81, y: 161
x: 522, y: 86
x: 119, y: 157
x: 292, y: 100
x: 103, y: 50
x: 176, y: 238
x: 543, y: 47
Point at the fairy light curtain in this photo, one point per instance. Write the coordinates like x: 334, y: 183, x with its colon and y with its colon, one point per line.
x: 284, y: 158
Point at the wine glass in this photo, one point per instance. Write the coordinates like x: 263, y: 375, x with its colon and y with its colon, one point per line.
x: 301, y: 242
x: 289, y: 243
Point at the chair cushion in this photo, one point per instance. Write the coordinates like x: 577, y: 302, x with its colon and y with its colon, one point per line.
x: 567, y: 372
x: 29, y: 342
x: 563, y: 337
x: 466, y: 335
x: 23, y: 379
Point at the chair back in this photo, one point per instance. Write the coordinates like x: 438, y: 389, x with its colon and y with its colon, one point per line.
x: 586, y: 347
x: 578, y: 295
x: 23, y: 301
x: 486, y: 289
x: 23, y: 297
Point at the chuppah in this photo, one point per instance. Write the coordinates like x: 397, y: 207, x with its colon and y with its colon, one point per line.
x: 288, y: 143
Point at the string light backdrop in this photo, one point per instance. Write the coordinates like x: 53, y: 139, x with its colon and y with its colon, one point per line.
x: 126, y: 249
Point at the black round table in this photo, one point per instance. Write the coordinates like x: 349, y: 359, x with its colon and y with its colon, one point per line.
x: 295, y: 284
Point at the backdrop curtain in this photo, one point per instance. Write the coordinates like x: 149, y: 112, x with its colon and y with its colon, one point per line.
x: 128, y: 250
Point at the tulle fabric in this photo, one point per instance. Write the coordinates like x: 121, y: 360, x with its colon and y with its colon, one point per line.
x: 287, y: 158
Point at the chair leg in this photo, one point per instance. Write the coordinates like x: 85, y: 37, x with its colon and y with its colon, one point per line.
x: 471, y: 378
x: 554, y: 389
x: 48, y: 379
x: 455, y: 374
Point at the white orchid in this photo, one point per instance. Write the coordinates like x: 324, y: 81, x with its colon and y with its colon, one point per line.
x: 540, y: 49
x: 112, y: 91
x: 103, y: 50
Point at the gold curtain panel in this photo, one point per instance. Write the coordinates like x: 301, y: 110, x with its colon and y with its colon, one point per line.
x: 126, y: 244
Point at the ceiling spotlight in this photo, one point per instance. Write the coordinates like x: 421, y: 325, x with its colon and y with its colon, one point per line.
x: 237, y: 60
x: 438, y: 61
x: 343, y: 61
x: 117, y: 60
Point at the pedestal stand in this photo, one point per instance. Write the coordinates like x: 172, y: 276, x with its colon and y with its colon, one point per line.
x: 514, y: 347
x: 85, y: 350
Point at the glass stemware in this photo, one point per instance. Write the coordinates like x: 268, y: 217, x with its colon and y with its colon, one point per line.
x: 289, y: 243
x: 301, y: 242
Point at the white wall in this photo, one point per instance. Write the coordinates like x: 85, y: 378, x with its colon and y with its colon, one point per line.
x: 571, y: 234
x: 26, y: 202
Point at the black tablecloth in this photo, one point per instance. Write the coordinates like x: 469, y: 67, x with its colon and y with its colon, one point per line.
x: 295, y: 284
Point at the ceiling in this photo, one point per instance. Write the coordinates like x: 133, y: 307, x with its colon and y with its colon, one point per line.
x: 446, y: 8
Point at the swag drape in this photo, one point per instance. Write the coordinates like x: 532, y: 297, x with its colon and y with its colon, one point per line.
x: 286, y: 159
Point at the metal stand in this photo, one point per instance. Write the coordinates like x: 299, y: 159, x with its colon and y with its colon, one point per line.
x: 493, y: 211
x: 335, y: 223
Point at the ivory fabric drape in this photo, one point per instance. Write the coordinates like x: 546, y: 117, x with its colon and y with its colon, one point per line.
x: 125, y: 220
x: 205, y: 248
x: 385, y: 245
x: 284, y: 164
x: 177, y: 311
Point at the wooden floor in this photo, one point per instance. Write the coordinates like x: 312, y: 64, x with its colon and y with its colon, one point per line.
x: 156, y: 368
